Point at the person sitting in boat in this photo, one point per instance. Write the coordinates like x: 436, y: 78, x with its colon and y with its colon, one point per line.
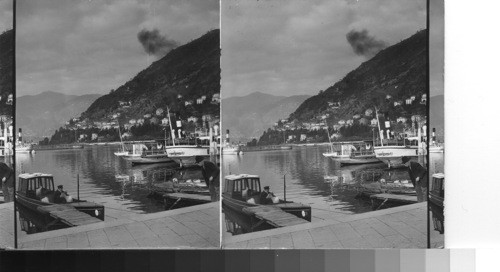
x: 266, y: 197
x: 61, y: 196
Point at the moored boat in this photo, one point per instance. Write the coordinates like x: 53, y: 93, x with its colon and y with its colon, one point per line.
x: 151, y: 156
x: 352, y: 153
x: 243, y: 191
x: 391, y: 151
x: 35, y: 192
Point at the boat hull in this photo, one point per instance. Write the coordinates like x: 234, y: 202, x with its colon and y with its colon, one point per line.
x: 150, y: 159
x: 355, y: 160
x: 187, y: 151
x: 87, y: 207
x: 237, y: 206
x: 391, y: 155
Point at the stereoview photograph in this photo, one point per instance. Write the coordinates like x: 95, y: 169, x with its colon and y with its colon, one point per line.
x: 324, y: 113
x: 117, y: 123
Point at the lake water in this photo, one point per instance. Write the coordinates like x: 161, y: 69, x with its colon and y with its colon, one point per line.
x: 306, y: 173
x: 104, y: 178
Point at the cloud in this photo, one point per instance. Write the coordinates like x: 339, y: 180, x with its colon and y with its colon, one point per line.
x: 299, y: 47
x: 81, y: 47
x: 6, y: 15
x: 363, y: 44
x: 154, y: 43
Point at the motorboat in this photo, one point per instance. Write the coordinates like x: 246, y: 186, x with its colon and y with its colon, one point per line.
x: 243, y: 190
x: 352, y: 153
x: 35, y: 193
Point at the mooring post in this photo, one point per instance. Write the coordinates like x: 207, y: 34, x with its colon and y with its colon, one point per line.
x: 78, y: 185
x: 284, y: 187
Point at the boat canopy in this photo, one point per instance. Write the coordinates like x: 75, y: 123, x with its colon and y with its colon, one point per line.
x: 34, y: 175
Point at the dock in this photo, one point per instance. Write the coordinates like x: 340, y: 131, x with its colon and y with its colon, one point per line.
x: 273, y: 216
x: 68, y: 215
x: 398, y: 227
x: 389, y: 200
x: 190, y: 227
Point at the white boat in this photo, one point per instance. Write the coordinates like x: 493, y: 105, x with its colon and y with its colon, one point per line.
x: 136, y: 152
x: 351, y: 153
x: 436, y: 148
x: 391, y: 154
x: 231, y: 150
x: 24, y: 148
x: 151, y: 156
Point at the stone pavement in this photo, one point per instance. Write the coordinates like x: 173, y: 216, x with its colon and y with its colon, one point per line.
x: 7, y: 225
x: 399, y: 227
x: 190, y: 227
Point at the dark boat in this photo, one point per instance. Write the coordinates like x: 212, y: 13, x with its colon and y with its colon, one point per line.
x: 48, y: 211
x: 239, y: 189
x: 436, y: 201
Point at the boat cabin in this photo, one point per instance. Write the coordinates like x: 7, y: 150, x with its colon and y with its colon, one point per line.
x: 37, y: 186
x: 242, y: 187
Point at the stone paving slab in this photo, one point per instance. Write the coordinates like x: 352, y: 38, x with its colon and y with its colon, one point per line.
x: 190, y: 227
x: 399, y: 227
x: 7, y: 225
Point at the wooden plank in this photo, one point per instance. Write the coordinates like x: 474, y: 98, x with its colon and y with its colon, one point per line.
x: 393, y: 197
x: 197, y: 197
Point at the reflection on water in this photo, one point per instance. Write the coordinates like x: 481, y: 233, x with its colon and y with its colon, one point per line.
x: 308, y: 176
x: 436, y: 163
x: 103, y: 177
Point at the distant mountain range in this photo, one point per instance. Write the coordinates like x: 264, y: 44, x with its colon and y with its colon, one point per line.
x: 6, y: 70
x: 40, y: 115
x: 436, y: 109
x: 249, y: 116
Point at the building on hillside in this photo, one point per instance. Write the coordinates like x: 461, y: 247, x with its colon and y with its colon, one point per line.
x: 179, y: 96
x: 147, y: 116
x: 207, y: 117
x: 423, y: 99
x: 188, y: 103
x: 413, y: 97
x: 140, y: 121
x: 401, y: 119
x: 154, y: 120
x: 94, y: 136
x: 192, y: 119
x: 199, y: 101
x: 374, y: 122
x: 82, y: 137
x: 126, y: 135
x: 368, y: 112
x: 127, y: 126
x: 341, y: 122
x: 408, y: 101
x: 303, y: 137
x: 336, y: 127
x: 159, y: 112
x: 164, y: 122
x: 216, y: 98
x: 132, y: 121
x: 349, y: 122
x: 363, y: 121
x: 356, y: 116
x: 388, y: 97
x: 398, y: 103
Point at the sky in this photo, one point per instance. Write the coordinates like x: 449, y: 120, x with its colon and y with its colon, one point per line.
x: 6, y: 15
x: 92, y: 46
x: 289, y: 47
x: 436, y: 47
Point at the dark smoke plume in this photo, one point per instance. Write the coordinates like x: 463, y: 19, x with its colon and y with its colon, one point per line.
x: 154, y: 43
x: 364, y: 44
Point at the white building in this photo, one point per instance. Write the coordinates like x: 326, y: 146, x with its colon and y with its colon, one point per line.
x: 159, y: 111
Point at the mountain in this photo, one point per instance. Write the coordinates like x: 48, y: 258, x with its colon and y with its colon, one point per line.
x: 39, y: 115
x: 249, y: 116
x: 436, y: 110
x: 6, y: 70
x: 398, y: 71
x: 191, y: 71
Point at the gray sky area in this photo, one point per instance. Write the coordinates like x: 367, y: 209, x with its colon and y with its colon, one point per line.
x: 436, y: 44
x: 92, y: 46
x: 288, y: 47
x: 6, y: 17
